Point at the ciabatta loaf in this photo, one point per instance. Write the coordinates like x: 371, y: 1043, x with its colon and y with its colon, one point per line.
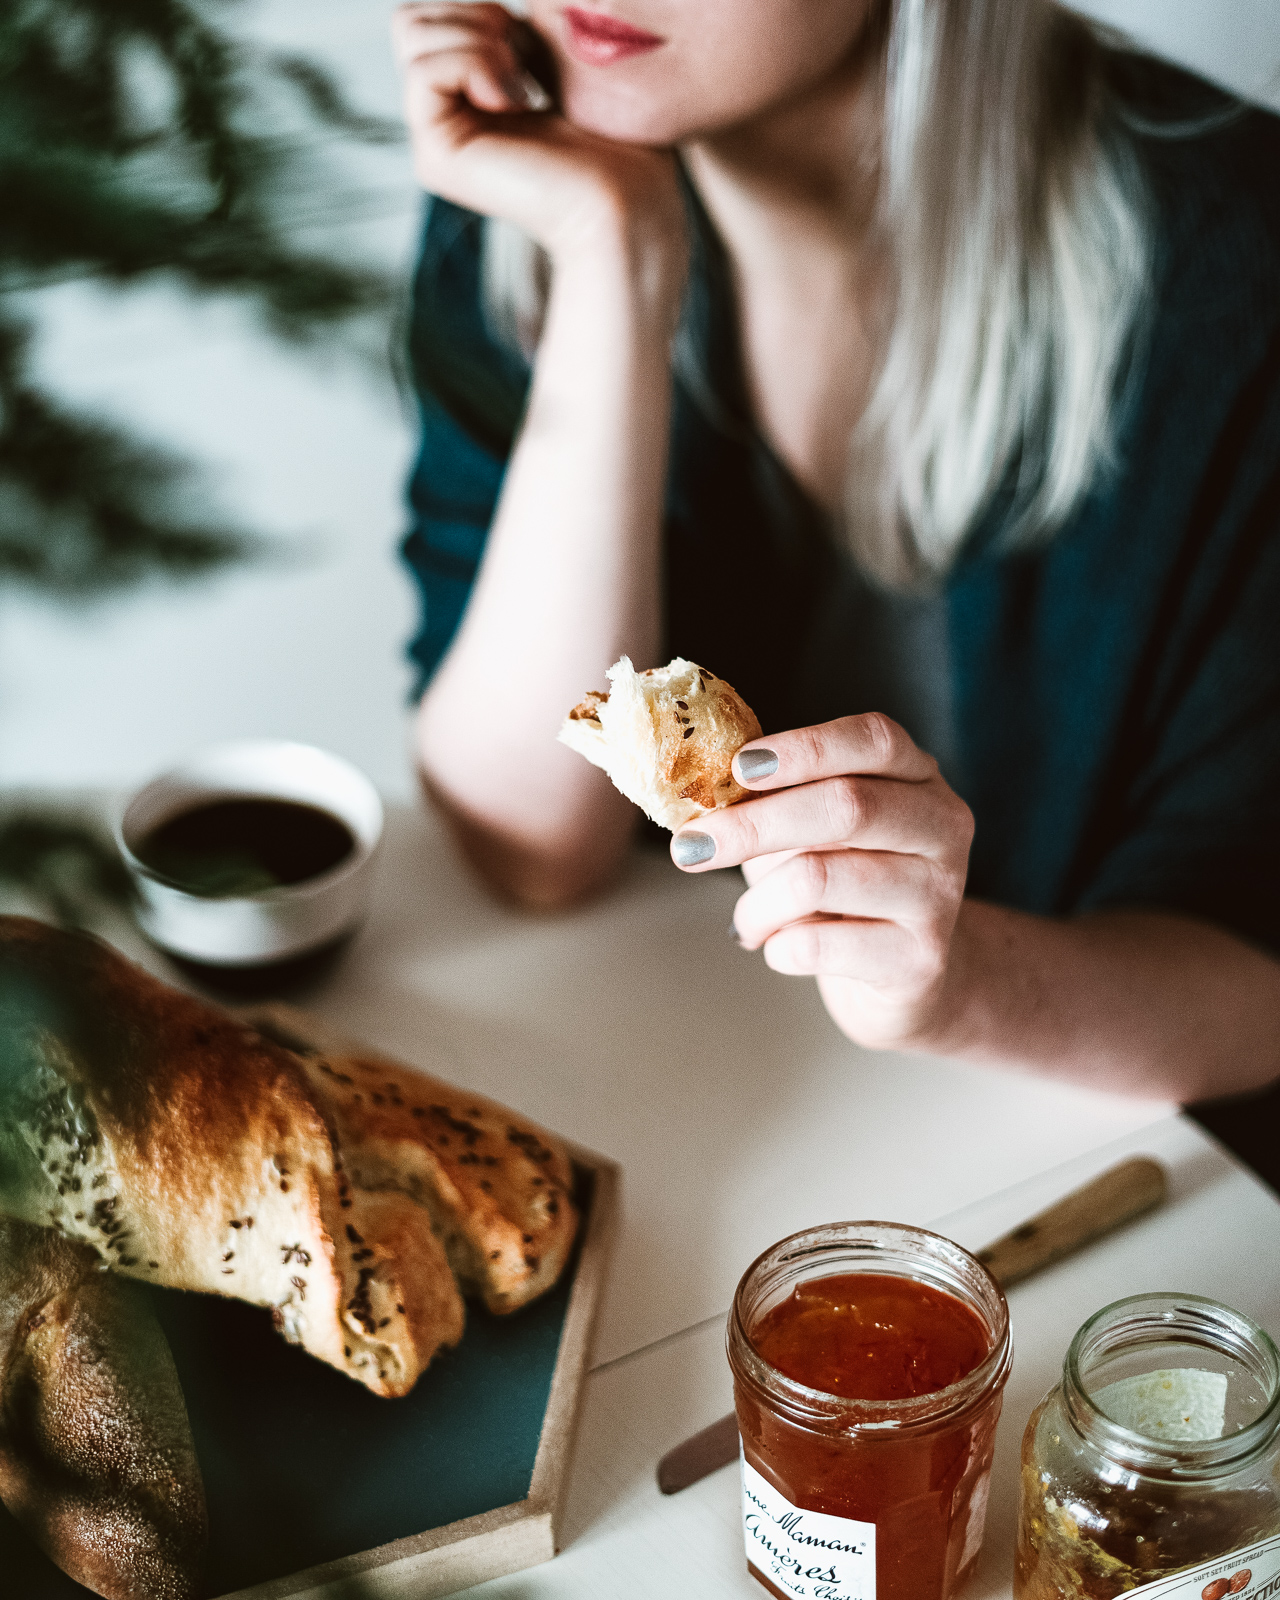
x: 185, y: 1149
x: 96, y: 1458
x: 497, y: 1185
x: 666, y: 737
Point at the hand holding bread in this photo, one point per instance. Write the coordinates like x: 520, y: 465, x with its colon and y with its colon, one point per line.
x: 855, y: 847
x: 856, y: 851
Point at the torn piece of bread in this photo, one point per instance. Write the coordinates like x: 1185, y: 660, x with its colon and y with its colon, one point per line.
x: 96, y: 1457
x: 184, y: 1149
x: 666, y: 737
x: 496, y: 1185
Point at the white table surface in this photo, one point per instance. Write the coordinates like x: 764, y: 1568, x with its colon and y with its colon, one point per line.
x: 739, y: 1114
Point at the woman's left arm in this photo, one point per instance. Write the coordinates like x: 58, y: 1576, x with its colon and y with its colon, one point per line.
x: 856, y: 853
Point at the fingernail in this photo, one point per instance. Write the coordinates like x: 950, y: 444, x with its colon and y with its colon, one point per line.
x: 526, y: 91
x: 535, y: 96
x: 753, y: 764
x: 517, y: 88
x: 692, y: 849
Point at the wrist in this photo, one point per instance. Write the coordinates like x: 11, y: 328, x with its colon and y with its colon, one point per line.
x: 953, y: 1025
x: 625, y: 256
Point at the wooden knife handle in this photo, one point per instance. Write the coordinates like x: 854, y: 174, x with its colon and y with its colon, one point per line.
x: 1117, y: 1196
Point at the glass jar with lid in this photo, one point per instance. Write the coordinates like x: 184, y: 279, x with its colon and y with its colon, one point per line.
x: 869, y: 1481
x: 1156, y: 1461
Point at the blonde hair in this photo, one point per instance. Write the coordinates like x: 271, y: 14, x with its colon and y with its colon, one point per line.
x: 1013, y: 216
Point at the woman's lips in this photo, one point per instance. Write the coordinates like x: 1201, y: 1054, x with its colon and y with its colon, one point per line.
x: 599, y: 40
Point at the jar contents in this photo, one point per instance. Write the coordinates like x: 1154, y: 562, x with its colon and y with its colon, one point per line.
x: 871, y: 1337
x: 1167, y: 1476
x: 870, y: 1482
x: 1123, y: 1540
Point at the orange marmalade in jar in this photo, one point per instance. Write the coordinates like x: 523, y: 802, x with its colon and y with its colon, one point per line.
x: 869, y: 1360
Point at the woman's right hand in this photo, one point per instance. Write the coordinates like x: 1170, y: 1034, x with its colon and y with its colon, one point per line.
x: 478, y: 142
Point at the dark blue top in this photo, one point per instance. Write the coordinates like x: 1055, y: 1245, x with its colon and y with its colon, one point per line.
x: 1115, y: 695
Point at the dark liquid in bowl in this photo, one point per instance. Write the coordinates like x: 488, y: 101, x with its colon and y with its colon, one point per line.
x: 226, y: 848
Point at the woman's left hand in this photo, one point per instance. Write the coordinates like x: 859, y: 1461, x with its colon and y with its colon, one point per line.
x: 856, y: 855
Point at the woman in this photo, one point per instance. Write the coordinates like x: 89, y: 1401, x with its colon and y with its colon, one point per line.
x: 968, y: 476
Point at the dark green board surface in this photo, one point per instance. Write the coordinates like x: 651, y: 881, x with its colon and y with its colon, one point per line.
x: 302, y: 1464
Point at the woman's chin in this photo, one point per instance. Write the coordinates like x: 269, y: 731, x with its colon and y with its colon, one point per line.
x: 627, y: 119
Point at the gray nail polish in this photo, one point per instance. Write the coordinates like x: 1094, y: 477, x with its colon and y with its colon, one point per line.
x: 535, y: 97
x: 517, y: 86
x: 753, y: 764
x: 692, y: 849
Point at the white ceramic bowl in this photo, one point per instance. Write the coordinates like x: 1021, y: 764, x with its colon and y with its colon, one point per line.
x: 272, y: 924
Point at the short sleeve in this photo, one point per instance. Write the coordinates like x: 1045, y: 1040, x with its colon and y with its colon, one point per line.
x: 452, y: 495
x: 471, y: 392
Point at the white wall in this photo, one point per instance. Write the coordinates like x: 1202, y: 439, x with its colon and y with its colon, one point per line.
x: 316, y: 449
x: 1234, y: 42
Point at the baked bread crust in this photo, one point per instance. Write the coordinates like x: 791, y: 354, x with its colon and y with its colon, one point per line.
x: 497, y: 1185
x: 666, y: 737
x: 185, y: 1149
x: 96, y: 1457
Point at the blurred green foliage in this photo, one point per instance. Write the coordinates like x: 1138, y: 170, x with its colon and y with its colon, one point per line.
x: 63, y: 867
x: 141, y: 138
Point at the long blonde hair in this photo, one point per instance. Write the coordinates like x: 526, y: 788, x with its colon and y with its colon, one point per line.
x: 1014, y: 217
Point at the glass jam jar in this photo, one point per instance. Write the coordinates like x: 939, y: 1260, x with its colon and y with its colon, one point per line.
x: 848, y: 1498
x: 1156, y: 1460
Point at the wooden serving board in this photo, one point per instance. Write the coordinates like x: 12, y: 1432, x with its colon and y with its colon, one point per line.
x: 319, y: 1490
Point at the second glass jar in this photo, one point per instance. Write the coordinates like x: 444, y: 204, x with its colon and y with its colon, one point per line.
x: 1107, y: 1509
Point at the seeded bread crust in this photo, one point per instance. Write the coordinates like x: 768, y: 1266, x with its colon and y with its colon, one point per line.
x: 666, y: 737
x: 185, y: 1149
x: 96, y: 1457
x: 497, y: 1185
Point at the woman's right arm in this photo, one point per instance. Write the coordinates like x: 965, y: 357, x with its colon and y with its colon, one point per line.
x: 570, y: 576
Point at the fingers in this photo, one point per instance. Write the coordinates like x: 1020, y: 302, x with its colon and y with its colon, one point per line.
x: 419, y: 29
x: 878, y: 954
x: 453, y: 53
x: 866, y: 813
x: 440, y: 85
x: 909, y: 889
x: 486, y: 135
x: 883, y: 920
x: 871, y: 744
x: 856, y: 852
x: 859, y: 781
x: 759, y: 866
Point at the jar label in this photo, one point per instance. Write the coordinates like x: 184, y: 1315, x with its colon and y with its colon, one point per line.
x: 806, y: 1553
x: 1249, y: 1574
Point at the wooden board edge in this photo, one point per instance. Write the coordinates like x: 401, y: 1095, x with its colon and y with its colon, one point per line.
x: 440, y: 1562
x: 550, y: 1482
